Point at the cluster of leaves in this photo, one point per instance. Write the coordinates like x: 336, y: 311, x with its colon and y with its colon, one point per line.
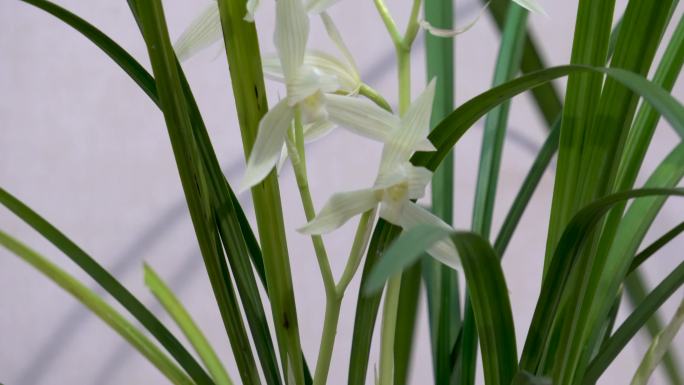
x: 600, y: 133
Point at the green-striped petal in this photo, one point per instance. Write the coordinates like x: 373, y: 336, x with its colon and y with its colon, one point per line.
x: 339, y: 209
x: 361, y: 117
x: 291, y: 34
x: 413, y: 130
x: 269, y: 142
x: 443, y: 250
x: 347, y: 77
x: 202, y: 32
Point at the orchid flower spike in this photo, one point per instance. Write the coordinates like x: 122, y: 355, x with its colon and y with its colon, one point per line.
x: 397, y: 184
x: 308, y: 93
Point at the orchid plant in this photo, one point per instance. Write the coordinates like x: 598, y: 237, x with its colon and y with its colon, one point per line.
x: 600, y: 133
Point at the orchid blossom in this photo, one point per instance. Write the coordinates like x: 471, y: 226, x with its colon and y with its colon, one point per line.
x: 309, y: 93
x: 398, y: 182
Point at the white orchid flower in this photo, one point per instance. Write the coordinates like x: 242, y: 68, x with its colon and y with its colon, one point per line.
x: 398, y: 182
x: 308, y: 93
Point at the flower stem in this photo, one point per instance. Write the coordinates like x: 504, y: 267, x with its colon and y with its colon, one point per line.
x: 389, y: 324
x: 389, y: 315
x: 361, y: 238
x: 298, y: 160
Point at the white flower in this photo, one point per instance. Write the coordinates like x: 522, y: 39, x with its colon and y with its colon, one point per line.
x: 398, y: 181
x: 308, y: 89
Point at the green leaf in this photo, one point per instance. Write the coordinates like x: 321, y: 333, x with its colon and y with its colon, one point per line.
x: 486, y: 283
x: 172, y: 98
x: 109, y: 283
x: 402, y: 253
x: 529, y: 185
x: 187, y: 325
x: 440, y: 281
x: 491, y: 307
x: 633, y: 323
x: 659, y: 347
x: 590, y: 46
x: 100, y: 308
x: 220, y: 187
x: 452, y: 128
x: 407, y: 313
x: 367, y: 306
x: 546, y: 96
x: 244, y: 62
x: 573, y: 239
x: 525, y: 378
x: 508, y: 64
x: 653, y: 248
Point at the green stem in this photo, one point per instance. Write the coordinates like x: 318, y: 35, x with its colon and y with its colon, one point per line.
x: 332, y: 317
x: 389, y: 317
x: 389, y: 324
x: 333, y: 304
x: 361, y: 238
x: 404, y: 71
x: 389, y: 21
x: 374, y: 96
x: 298, y: 160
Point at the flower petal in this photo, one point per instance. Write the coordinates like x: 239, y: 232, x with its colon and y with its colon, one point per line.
x: 361, y: 116
x: 291, y: 34
x: 413, y: 130
x: 202, y: 32
x: 318, y: 6
x: 308, y: 82
x: 317, y: 130
x: 440, y: 32
x: 339, y: 209
x: 531, y: 5
x: 444, y: 250
x: 418, y: 179
x: 346, y: 79
x: 336, y: 38
x: 269, y: 143
x: 252, y: 6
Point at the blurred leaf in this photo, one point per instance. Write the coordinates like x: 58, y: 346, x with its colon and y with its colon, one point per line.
x: 367, y: 306
x: 109, y: 283
x: 570, y: 245
x: 172, y: 101
x: 402, y: 253
x: 659, y: 347
x: 187, y: 325
x: 100, y: 308
x: 633, y: 323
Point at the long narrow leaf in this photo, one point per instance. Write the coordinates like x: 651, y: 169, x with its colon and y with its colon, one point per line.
x: 367, y: 306
x: 572, y: 241
x: 546, y: 97
x: 244, y: 61
x: 100, y: 308
x: 633, y: 323
x: 485, y: 280
x: 193, y: 178
x: 441, y: 282
x: 109, y: 283
x: 187, y: 325
x: 659, y: 347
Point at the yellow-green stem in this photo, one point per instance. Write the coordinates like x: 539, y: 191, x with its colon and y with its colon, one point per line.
x: 361, y: 238
x: 298, y: 159
x: 389, y: 316
x: 333, y: 304
x: 389, y: 324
